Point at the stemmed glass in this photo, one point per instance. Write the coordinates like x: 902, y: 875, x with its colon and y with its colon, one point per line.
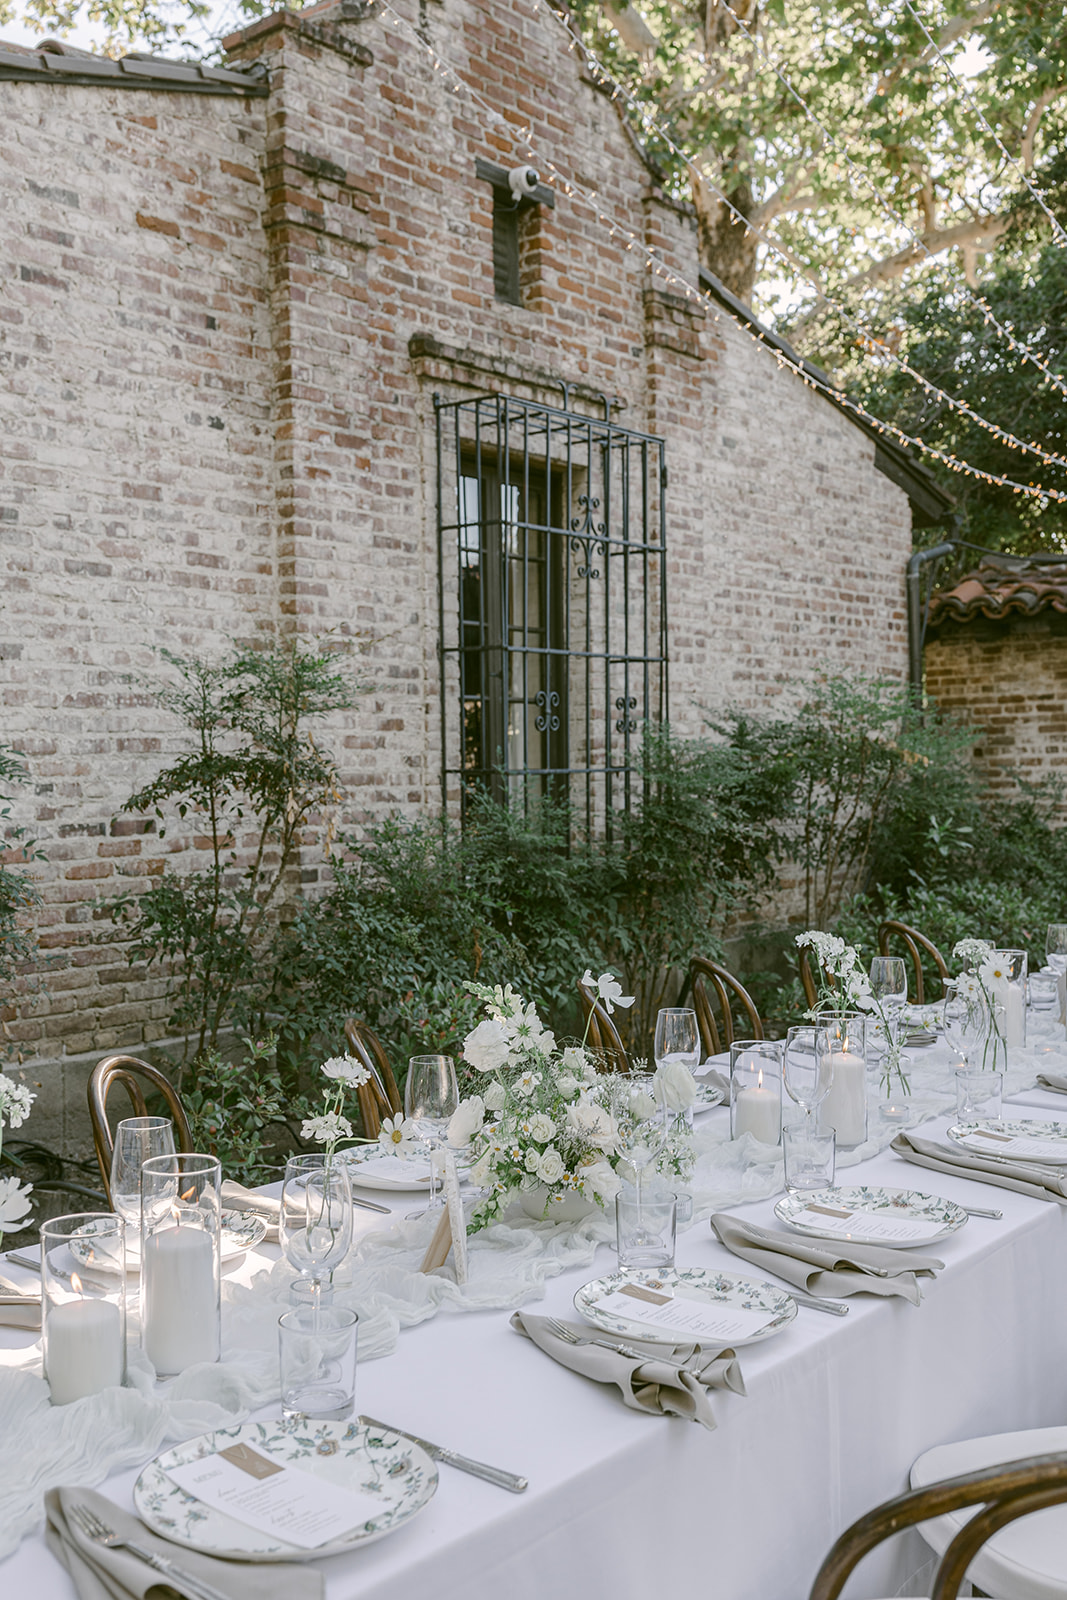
x: 137, y: 1139
x: 1056, y: 946
x: 677, y: 1038
x: 431, y: 1095
x: 807, y: 1068
x: 889, y: 986
x: 315, y: 1224
x: 640, y: 1131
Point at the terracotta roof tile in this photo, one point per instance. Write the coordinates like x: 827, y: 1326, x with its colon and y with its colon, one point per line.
x: 1000, y: 586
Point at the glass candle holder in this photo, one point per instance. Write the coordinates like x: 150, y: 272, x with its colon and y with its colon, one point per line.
x: 756, y: 1090
x: 83, y: 1304
x: 844, y: 1110
x: 181, y: 1273
x: 1009, y: 991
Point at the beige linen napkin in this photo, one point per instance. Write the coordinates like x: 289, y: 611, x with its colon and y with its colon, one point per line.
x: 103, y: 1574
x: 673, y: 1380
x: 822, y: 1267
x: 20, y: 1310
x: 1041, y: 1183
x: 1052, y: 1080
x: 269, y: 1207
x: 716, y: 1080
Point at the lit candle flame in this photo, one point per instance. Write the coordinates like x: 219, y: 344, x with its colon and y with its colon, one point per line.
x: 759, y: 1080
x: 75, y: 1283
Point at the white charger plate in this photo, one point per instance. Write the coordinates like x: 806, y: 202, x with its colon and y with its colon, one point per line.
x: 987, y: 1138
x: 692, y: 1283
x: 903, y: 1203
x: 348, y: 1454
x: 405, y: 1181
x: 240, y: 1231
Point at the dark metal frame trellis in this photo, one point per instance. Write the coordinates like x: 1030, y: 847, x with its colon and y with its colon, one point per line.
x: 553, y: 606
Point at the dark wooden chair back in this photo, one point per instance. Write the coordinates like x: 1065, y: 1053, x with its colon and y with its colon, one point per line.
x: 914, y: 943
x: 602, y: 1036
x: 1006, y: 1492
x: 129, y: 1072
x: 380, y: 1097
x: 807, y: 977
x: 712, y: 987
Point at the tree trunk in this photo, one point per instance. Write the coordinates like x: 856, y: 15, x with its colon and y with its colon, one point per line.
x: 726, y: 247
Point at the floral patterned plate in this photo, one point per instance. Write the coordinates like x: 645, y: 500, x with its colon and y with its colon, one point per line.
x: 241, y: 1231
x: 865, y: 1215
x: 348, y: 1454
x: 373, y: 1168
x: 1015, y: 1141
x: 708, y: 1095
x: 736, y: 1310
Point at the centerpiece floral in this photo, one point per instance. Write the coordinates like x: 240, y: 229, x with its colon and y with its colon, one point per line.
x: 15, y: 1103
x: 980, y: 985
x: 540, y: 1121
x: 843, y: 986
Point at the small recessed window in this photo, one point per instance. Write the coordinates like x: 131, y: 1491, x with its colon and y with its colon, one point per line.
x: 515, y: 228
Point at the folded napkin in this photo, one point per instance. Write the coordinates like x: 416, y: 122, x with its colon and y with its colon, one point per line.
x: 1052, y: 1080
x: 103, y: 1574
x: 672, y: 1380
x: 1041, y: 1183
x: 717, y: 1080
x: 20, y: 1310
x: 825, y: 1267
x: 269, y: 1207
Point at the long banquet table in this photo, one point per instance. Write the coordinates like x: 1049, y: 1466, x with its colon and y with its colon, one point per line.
x: 623, y: 1505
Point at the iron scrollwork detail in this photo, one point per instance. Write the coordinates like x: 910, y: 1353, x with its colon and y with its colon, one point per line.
x: 548, y: 703
x: 625, y: 723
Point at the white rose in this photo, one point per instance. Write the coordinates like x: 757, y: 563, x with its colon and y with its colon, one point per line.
x: 600, y: 1180
x: 575, y: 1060
x: 592, y: 1124
x: 486, y: 1047
x: 533, y: 1160
x: 479, y: 1173
x: 466, y: 1121
x: 676, y: 1088
x: 495, y: 1097
x: 549, y: 1166
x: 566, y: 1084
x: 541, y: 1127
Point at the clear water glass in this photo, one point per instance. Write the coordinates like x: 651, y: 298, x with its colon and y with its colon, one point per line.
x: 1056, y: 946
x: 137, y: 1140
x: 979, y: 1094
x: 315, y: 1221
x: 431, y: 1096
x: 645, y: 1227
x: 809, y: 1154
x: 317, y: 1353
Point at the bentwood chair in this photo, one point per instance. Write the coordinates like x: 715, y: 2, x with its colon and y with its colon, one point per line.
x: 379, y: 1097
x: 128, y: 1072
x: 602, y: 1036
x: 1006, y: 1492
x: 807, y: 978
x: 727, y: 993
x: 914, y: 943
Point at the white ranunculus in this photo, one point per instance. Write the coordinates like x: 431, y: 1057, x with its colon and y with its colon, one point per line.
x: 327, y: 1129
x: 592, y: 1124
x: 495, y: 1097
x: 486, y: 1047
x: 600, y: 1180
x: 346, y: 1069
x: 14, y: 1201
x: 466, y: 1121
x: 675, y: 1086
x: 542, y: 1128
x: 550, y: 1165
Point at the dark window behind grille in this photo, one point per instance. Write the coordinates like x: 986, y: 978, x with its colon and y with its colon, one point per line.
x: 553, y: 605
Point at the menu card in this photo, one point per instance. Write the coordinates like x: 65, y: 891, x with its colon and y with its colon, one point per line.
x: 298, y: 1507
x: 1022, y: 1146
x: 885, y: 1227
x: 689, y: 1319
x: 392, y: 1167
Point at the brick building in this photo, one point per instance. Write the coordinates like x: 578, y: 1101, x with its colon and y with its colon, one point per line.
x: 996, y: 655
x: 282, y: 351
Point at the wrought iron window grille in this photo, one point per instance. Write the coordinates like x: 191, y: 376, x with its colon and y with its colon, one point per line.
x: 553, y: 605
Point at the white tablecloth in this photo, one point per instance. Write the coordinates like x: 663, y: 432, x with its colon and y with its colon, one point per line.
x: 622, y: 1505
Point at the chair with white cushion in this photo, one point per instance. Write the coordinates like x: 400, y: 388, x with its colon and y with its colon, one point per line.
x: 1026, y: 1560
x: 975, y: 1515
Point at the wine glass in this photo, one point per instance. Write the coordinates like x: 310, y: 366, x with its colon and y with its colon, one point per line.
x: 807, y: 1068
x: 431, y: 1095
x: 315, y: 1222
x: 640, y: 1130
x: 1056, y: 946
x: 677, y: 1038
x: 889, y: 986
x: 137, y: 1139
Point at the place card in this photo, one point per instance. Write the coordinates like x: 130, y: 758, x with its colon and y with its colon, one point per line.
x: 298, y: 1507
x: 450, y: 1236
x: 880, y: 1226
x: 1021, y: 1146
x: 392, y: 1167
x: 688, y: 1319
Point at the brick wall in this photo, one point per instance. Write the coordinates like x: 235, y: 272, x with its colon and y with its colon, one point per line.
x: 221, y: 326
x: 1008, y: 678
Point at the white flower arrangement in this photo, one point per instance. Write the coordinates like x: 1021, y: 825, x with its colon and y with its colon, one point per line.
x: 343, y: 1073
x: 843, y: 986
x: 978, y: 986
x: 537, y: 1121
x: 397, y: 1137
x: 15, y: 1103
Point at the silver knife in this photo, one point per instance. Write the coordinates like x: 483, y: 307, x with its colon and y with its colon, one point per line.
x: 477, y: 1469
x: 833, y: 1308
x: 23, y: 1261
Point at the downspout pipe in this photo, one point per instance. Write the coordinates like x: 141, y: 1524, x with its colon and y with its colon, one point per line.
x: 916, y: 620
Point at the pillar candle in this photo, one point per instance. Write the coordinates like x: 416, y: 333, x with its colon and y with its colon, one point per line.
x: 179, y: 1300
x: 1010, y: 996
x: 845, y: 1107
x: 84, y: 1351
x: 758, y: 1111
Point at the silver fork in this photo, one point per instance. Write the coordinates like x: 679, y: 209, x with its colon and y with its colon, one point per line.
x: 91, y: 1525
x: 568, y: 1335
